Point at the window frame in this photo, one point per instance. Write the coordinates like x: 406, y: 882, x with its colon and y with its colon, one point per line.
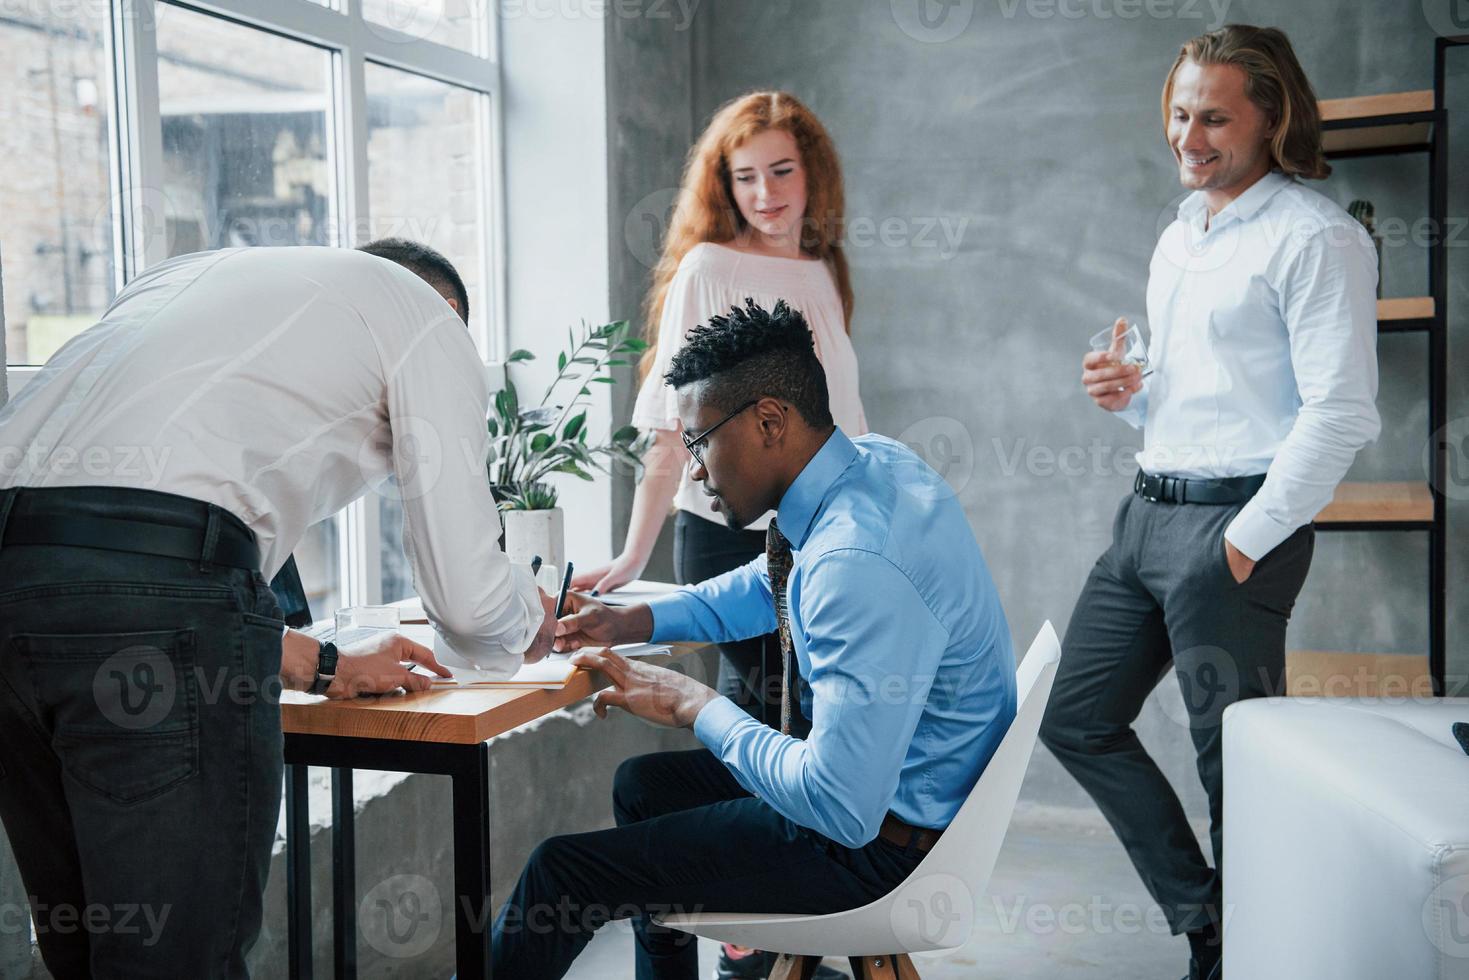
x: 136, y: 138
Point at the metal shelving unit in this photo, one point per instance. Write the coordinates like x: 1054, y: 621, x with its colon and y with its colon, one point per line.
x: 1380, y: 125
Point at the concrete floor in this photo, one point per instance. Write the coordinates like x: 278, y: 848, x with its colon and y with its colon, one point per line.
x: 1064, y: 903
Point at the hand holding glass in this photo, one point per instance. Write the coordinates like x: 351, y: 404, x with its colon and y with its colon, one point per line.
x: 1128, y: 346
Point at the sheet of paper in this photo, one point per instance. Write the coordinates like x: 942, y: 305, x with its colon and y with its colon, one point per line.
x: 639, y: 590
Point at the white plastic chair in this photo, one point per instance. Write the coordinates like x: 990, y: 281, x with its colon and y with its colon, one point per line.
x: 934, y: 908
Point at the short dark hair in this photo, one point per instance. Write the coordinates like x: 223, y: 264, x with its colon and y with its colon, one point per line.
x: 750, y: 354
x: 426, y: 263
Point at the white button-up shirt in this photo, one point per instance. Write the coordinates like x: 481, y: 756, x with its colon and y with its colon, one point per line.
x: 280, y: 384
x: 1264, y: 352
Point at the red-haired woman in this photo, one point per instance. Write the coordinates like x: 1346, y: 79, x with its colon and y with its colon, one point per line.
x: 758, y: 215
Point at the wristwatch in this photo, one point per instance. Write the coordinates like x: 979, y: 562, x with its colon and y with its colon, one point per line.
x: 326, y: 668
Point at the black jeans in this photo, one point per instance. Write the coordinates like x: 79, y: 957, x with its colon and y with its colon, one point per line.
x: 1162, y: 600
x: 749, y: 670
x: 688, y: 839
x: 140, y: 767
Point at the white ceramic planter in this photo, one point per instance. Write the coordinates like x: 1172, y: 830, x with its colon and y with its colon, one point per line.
x: 535, y: 532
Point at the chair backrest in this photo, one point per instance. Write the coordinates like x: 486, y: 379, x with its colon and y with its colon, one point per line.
x: 934, y: 908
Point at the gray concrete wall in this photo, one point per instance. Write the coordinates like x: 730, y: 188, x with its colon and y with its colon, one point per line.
x: 649, y: 129
x: 1006, y: 181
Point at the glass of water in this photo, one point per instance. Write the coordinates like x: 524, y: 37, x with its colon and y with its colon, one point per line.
x: 357, y: 623
x: 1128, y: 347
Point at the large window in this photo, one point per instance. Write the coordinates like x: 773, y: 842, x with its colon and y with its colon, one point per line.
x: 55, y: 211
x: 141, y: 130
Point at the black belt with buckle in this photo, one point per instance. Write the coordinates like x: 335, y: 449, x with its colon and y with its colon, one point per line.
x: 1159, y: 489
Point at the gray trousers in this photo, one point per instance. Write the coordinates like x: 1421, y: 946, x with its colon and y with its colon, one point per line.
x: 1162, y: 599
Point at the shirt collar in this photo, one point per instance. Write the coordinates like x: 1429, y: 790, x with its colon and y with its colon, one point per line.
x: 802, y: 498
x: 1244, y: 207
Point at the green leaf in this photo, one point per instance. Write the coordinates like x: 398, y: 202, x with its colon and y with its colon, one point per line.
x: 541, y: 443
x: 520, y: 355
x: 494, y: 427
x: 625, y: 434
x: 574, y: 426
x: 603, y: 381
x: 561, y: 361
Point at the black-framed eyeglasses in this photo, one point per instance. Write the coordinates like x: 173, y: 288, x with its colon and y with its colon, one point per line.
x: 695, y: 446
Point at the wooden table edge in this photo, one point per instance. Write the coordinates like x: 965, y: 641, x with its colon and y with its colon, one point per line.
x: 363, y: 719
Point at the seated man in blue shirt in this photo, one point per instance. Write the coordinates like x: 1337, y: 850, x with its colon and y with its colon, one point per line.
x: 908, y: 676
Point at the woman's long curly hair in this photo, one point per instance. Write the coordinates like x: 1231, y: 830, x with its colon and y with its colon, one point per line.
x: 706, y: 210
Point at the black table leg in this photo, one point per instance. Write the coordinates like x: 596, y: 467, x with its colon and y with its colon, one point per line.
x: 468, y: 766
x: 472, y: 910
x: 298, y: 871
x: 344, y: 877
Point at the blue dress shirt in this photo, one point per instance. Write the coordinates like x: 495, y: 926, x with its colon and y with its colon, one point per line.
x: 908, y: 674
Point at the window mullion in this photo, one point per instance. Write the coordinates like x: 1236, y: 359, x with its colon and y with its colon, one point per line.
x: 142, y: 204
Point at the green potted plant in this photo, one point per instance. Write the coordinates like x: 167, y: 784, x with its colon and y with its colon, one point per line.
x: 530, y: 444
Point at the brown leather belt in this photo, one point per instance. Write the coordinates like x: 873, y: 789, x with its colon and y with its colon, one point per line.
x: 901, y: 833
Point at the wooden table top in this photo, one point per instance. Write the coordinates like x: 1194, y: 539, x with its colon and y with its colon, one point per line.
x: 463, y: 715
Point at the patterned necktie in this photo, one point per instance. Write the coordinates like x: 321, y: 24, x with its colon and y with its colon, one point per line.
x: 778, y: 563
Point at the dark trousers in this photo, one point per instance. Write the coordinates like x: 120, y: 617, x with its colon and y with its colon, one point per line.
x: 1162, y: 599
x: 749, y: 670
x: 688, y: 839
x: 140, y: 764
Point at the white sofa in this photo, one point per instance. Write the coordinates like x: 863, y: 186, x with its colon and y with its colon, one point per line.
x: 1346, y: 839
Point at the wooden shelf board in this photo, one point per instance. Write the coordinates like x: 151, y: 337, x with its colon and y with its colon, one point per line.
x: 1405, y: 308
x: 1367, y: 106
x: 1325, y: 673
x: 1398, y: 134
x: 1378, y: 502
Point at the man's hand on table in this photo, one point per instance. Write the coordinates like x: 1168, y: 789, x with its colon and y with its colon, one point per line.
x: 656, y: 694
x: 371, y: 667
x: 596, y: 624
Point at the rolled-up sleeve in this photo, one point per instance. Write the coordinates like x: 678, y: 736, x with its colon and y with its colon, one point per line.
x: 486, y: 609
x: 1329, y: 303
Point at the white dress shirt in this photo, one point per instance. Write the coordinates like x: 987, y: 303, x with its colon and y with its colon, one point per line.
x: 280, y: 384
x: 1264, y: 352
x: 712, y: 278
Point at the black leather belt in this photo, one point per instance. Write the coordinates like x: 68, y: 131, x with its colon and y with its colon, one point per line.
x: 1160, y: 489
x: 904, y: 834
x: 123, y: 519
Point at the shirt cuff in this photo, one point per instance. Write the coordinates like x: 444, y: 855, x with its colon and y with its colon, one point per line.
x: 672, y: 618
x: 1254, y: 532
x: 715, y: 722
